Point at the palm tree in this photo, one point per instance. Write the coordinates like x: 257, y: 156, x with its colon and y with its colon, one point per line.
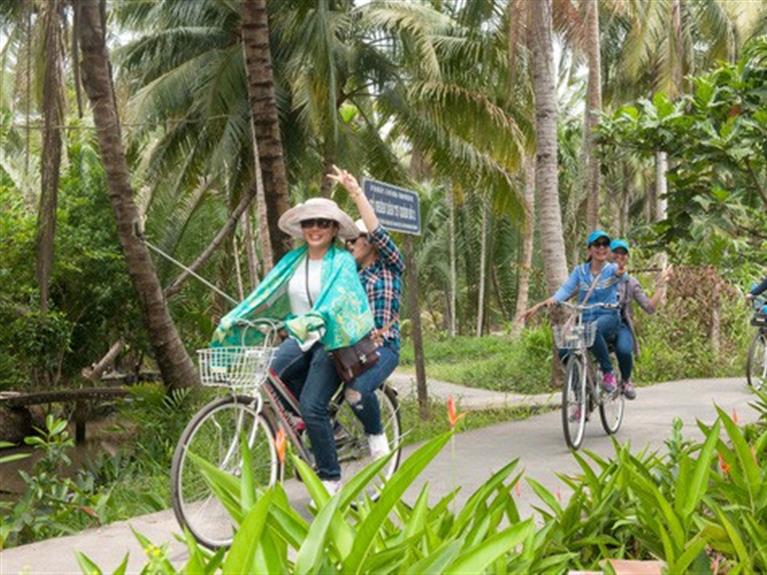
x: 547, y: 193
x: 266, y: 128
x: 173, y: 360
x: 593, y: 109
x: 51, y: 153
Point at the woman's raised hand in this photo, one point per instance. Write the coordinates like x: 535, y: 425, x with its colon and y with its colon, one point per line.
x: 347, y: 180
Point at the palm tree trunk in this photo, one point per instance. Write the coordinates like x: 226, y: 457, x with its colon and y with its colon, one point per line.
x: 526, y: 261
x: 453, y: 272
x: 593, y: 108
x: 172, y: 358
x: 413, y: 289
x: 258, y: 64
x: 482, y: 269
x: 50, y: 163
x: 546, y: 175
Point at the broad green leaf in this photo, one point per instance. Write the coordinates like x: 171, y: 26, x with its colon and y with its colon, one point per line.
x: 745, y: 457
x: 695, y: 547
x: 744, y: 558
x: 545, y: 495
x: 694, y: 490
x: 438, y: 560
x: 225, y: 486
x: 247, y: 484
x: 477, y: 559
x: 87, y: 565
x: 248, y: 538
x: 467, y: 513
x: 391, y: 493
x: 196, y: 563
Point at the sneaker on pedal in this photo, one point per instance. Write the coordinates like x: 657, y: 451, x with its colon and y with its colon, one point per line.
x: 608, y: 382
x: 379, y: 446
x: 576, y: 414
x: 332, y: 485
x: 628, y: 390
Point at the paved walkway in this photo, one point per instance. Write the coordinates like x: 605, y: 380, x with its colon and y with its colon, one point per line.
x: 470, y: 398
x: 471, y: 458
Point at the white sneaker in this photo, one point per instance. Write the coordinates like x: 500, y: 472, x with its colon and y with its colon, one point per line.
x: 332, y: 485
x: 379, y: 446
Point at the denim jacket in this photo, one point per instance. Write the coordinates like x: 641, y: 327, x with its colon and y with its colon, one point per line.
x: 579, y: 282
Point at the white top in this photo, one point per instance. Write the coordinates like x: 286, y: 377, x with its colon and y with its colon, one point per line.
x: 297, y: 292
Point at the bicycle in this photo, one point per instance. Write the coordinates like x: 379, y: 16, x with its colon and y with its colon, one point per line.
x: 756, y: 364
x: 257, y: 404
x: 581, y: 392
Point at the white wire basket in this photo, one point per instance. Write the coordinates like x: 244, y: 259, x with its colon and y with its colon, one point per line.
x: 234, y: 366
x: 573, y: 336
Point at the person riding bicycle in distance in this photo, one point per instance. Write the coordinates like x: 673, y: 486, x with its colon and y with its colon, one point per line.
x: 315, y: 289
x: 630, y: 291
x: 757, y: 290
x: 595, y: 282
x: 380, y: 265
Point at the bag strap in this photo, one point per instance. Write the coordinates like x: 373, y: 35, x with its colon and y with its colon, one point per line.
x: 592, y: 287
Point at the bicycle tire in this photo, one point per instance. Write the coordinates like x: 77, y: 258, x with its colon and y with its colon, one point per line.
x: 757, y: 362
x: 611, y: 409
x: 213, y: 433
x: 351, y: 441
x: 574, y: 397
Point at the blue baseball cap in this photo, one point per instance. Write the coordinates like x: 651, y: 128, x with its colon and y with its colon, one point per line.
x: 595, y: 235
x: 618, y: 244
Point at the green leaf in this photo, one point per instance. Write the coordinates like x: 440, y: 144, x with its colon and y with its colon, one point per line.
x: 744, y: 558
x: 226, y: 487
x: 87, y: 565
x: 438, y: 560
x: 247, y: 484
x: 196, y: 563
x: 694, y: 490
x: 391, y: 493
x: 546, y: 496
x: 695, y: 547
x: 480, y: 495
x: 745, y: 457
x: 477, y: 559
x: 241, y: 553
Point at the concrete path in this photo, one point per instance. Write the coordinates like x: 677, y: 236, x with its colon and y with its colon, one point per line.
x: 536, y: 441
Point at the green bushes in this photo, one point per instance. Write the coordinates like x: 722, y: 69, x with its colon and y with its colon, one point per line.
x: 700, y: 507
x: 499, y: 363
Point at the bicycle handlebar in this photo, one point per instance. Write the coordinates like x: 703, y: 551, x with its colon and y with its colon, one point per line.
x: 579, y: 307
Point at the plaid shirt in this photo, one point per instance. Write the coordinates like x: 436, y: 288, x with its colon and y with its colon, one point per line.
x: 383, y: 283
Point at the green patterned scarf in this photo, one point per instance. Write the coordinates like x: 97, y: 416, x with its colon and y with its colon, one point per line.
x: 341, y: 309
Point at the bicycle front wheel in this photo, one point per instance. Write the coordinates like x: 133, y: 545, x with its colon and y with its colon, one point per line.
x: 214, y: 434
x: 756, y: 366
x: 574, y: 397
x: 352, y: 443
x: 611, y: 408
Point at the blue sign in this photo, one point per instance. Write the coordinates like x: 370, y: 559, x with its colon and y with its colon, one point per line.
x: 398, y: 209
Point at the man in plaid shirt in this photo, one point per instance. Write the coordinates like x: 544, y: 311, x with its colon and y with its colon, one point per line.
x: 381, y: 265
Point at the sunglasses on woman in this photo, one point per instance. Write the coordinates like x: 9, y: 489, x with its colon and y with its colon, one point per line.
x: 350, y: 243
x: 320, y: 223
x: 601, y: 243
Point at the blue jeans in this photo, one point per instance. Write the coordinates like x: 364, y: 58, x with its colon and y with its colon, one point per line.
x: 607, y: 331
x: 360, y: 393
x: 624, y: 351
x: 312, y: 376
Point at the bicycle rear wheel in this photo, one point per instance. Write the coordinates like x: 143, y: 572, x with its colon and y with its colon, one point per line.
x: 756, y: 366
x: 574, y: 397
x: 611, y: 407
x: 214, y: 434
x: 352, y: 443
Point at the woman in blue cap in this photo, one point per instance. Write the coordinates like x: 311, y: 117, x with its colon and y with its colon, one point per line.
x: 595, y: 281
x: 629, y: 291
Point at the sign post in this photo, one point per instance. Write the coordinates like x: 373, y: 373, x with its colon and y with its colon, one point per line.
x: 398, y: 209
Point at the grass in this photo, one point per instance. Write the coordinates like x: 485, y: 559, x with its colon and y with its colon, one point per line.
x: 416, y: 430
x: 497, y: 363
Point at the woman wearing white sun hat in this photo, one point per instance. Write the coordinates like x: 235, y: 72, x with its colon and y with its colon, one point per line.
x: 316, y: 291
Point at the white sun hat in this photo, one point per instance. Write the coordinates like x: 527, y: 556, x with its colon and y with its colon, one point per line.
x: 290, y: 221
x: 363, y: 229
